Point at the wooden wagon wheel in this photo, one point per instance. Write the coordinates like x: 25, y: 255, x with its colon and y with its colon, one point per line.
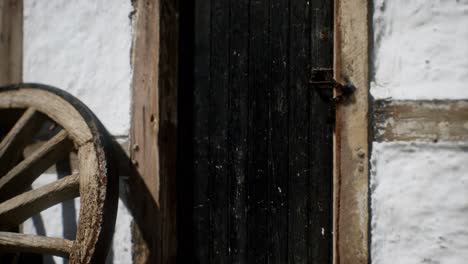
x: 95, y: 183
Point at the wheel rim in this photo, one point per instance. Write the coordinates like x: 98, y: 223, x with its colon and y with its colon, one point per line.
x: 95, y: 183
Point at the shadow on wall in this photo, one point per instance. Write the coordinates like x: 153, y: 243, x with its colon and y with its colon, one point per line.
x: 140, y: 220
x: 63, y: 168
x: 69, y: 221
x: 142, y: 207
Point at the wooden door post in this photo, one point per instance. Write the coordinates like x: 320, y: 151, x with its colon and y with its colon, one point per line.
x: 11, y: 41
x: 351, y: 183
x: 153, y: 131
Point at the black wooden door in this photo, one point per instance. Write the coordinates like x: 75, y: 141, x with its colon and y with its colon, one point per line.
x: 255, y: 143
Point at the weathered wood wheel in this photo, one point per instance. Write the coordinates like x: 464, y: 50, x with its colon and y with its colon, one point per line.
x: 95, y: 182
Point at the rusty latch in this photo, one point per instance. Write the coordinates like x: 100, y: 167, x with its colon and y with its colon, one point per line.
x: 323, y: 79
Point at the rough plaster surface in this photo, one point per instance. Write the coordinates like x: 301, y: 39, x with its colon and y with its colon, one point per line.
x: 419, y: 198
x: 83, y: 47
x: 419, y: 203
x: 420, y: 49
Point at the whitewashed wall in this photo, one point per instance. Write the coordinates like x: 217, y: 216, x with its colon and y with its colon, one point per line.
x: 419, y: 191
x: 420, y: 49
x: 82, y: 46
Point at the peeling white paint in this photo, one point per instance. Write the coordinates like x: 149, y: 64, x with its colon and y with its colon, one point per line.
x: 419, y: 203
x: 420, y: 49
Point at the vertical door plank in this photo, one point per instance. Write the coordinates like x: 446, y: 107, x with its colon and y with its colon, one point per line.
x: 278, y: 132
x: 187, y: 220
x: 321, y: 141
x: 202, y: 133
x: 219, y: 113
x: 299, y: 173
x: 238, y: 127
x: 321, y: 34
x: 259, y: 95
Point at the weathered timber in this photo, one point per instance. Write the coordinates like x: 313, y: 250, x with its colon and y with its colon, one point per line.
x: 22, y: 175
x: 19, y: 208
x: 430, y: 121
x: 54, y: 105
x: 97, y: 176
x: 11, y: 69
x: 11, y: 44
x: 14, y: 142
x: 351, y: 168
x: 14, y: 242
x: 153, y: 132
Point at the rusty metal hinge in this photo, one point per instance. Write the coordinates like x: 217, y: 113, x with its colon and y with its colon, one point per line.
x: 323, y: 79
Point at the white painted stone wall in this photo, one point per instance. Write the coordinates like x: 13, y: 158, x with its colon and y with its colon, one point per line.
x: 420, y: 49
x: 83, y: 46
x: 419, y: 191
x: 419, y: 203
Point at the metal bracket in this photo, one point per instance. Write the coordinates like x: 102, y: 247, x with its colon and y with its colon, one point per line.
x: 323, y: 79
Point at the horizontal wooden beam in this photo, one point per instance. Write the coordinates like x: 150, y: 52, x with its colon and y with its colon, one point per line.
x: 430, y: 121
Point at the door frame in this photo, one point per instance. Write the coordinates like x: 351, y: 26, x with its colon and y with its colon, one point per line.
x: 351, y: 145
x: 351, y: 139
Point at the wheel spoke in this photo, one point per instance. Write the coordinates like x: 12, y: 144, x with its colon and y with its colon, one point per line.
x: 23, y: 159
x: 23, y: 174
x: 18, y: 209
x: 14, y: 142
x: 14, y: 242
